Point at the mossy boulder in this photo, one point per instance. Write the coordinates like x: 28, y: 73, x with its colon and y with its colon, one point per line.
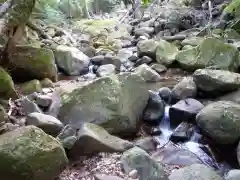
x: 166, y: 52
x: 193, y: 41
x: 211, y: 53
x: 147, y: 48
x: 7, y: 89
x: 28, y: 62
x: 29, y: 153
x: 31, y: 87
x: 233, y: 8
x: 46, y: 83
x: 108, y: 101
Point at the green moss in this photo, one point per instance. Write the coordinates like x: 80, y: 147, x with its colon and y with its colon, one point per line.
x: 31, y: 87
x: 233, y: 8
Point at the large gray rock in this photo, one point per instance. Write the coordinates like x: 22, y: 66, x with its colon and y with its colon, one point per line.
x: 47, y: 123
x: 147, y: 73
x: 92, y: 138
x: 210, y: 53
x: 233, y: 175
x: 107, y: 101
x: 147, y: 168
x: 221, y: 121
x: 216, y: 81
x: 71, y: 60
x: 29, y: 153
x: 196, y: 172
x: 147, y: 48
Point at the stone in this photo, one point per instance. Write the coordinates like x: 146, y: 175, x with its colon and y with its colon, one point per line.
x: 166, y: 52
x: 195, y: 171
x: 154, y: 110
x: 144, y: 30
x: 186, y: 88
x: 147, y: 167
x: 211, y: 53
x: 133, y: 174
x: 124, y: 54
x: 7, y: 89
x: 46, y: 83
x: 106, y: 70
x: 221, y: 121
x: 147, y: 48
x: 106, y: 101
x: 3, y: 114
x: 67, y: 137
x: 97, y: 60
x: 70, y: 60
x: 147, y: 144
x: 31, y: 87
x: 106, y: 177
x: 233, y: 174
x: 43, y: 101
x: 147, y: 73
x: 28, y: 63
x: 29, y: 106
x: 47, y: 123
x: 143, y: 60
x: 232, y: 96
x: 159, y: 68
x: 216, y: 81
x: 7, y: 127
x: 187, y: 109
x: 166, y: 94
x: 192, y: 41
x: 232, y: 9
x: 182, y: 133
x: 92, y: 139
x: 35, y: 155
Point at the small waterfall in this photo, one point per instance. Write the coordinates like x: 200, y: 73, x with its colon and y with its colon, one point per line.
x: 90, y: 69
x: 165, y: 125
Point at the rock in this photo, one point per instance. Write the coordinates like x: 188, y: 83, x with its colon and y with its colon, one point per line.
x: 143, y: 60
x: 221, y: 121
x: 35, y: 155
x: 7, y: 89
x: 233, y: 174
x: 147, y: 73
x: 46, y: 83
x: 97, y: 60
x: 7, y: 127
x: 67, y: 137
x: 166, y: 52
x: 124, y: 54
x: 47, y: 123
x: 107, y: 101
x: 28, y: 63
x: 43, y: 100
x: 147, y: 168
x: 147, y: 48
x: 147, y: 144
x: 186, y: 88
x: 3, y: 114
x: 106, y: 177
x: 182, y: 133
x: 166, y: 94
x: 232, y: 96
x: 216, y: 81
x: 92, y: 139
x: 187, y: 109
x: 222, y: 56
x: 29, y: 106
x: 159, y: 68
x: 232, y: 9
x: 195, y: 171
x: 133, y: 174
x: 106, y: 70
x: 192, y: 41
x: 31, y: 87
x: 154, y: 110
x: 144, y: 30
x: 71, y: 60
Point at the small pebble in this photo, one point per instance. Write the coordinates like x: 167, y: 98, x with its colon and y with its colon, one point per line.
x: 133, y: 174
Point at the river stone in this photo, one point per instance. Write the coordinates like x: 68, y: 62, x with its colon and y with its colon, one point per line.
x: 29, y: 153
x: 47, y: 123
x: 192, y: 41
x: 154, y: 110
x: 106, y: 70
x: 147, y: 167
x: 232, y: 96
x: 186, y: 88
x: 46, y: 83
x: 144, y: 30
x: 159, y: 68
x: 166, y: 94
x: 107, y: 101
x: 71, y: 60
x: 166, y: 52
x: 233, y: 175
x: 147, y: 144
x: 92, y: 139
x: 221, y: 121
x: 147, y: 73
x: 7, y: 89
x: 143, y: 60
x: 147, y: 48
x: 29, y: 106
x: 67, y: 137
x: 196, y: 172
x: 210, y: 53
x: 28, y: 62
x: 31, y: 87
x: 43, y: 100
x: 216, y: 81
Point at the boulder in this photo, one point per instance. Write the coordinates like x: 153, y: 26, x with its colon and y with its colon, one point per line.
x: 186, y: 88
x: 106, y: 70
x: 107, y: 101
x: 211, y: 53
x: 159, y: 68
x: 31, y: 87
x: 47, y: 123
x: 192, y: 41
x: 216, y: 81
x: 147, y: 144
x: 144, y: 30
x: 147, y: 73
x: 182, y: 133
x: 232, y: 96
x: 7, y: 89
x: 143, y: 60
x: 67, y: 137
x: 166, y: 52
x: 29, y: 153
x: 71, y: 60
x: 43, y: 100
x: 92, y: 139
x: 147, y: 167
x: 147, y: 48
x: 29, y: 106
x: 195, y: 171
x: 233, y: 175
x: 154, y: 110
x: 221, y: 121
x: 46, y: 83
x: 166, y: 94
x: 28, y: 63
